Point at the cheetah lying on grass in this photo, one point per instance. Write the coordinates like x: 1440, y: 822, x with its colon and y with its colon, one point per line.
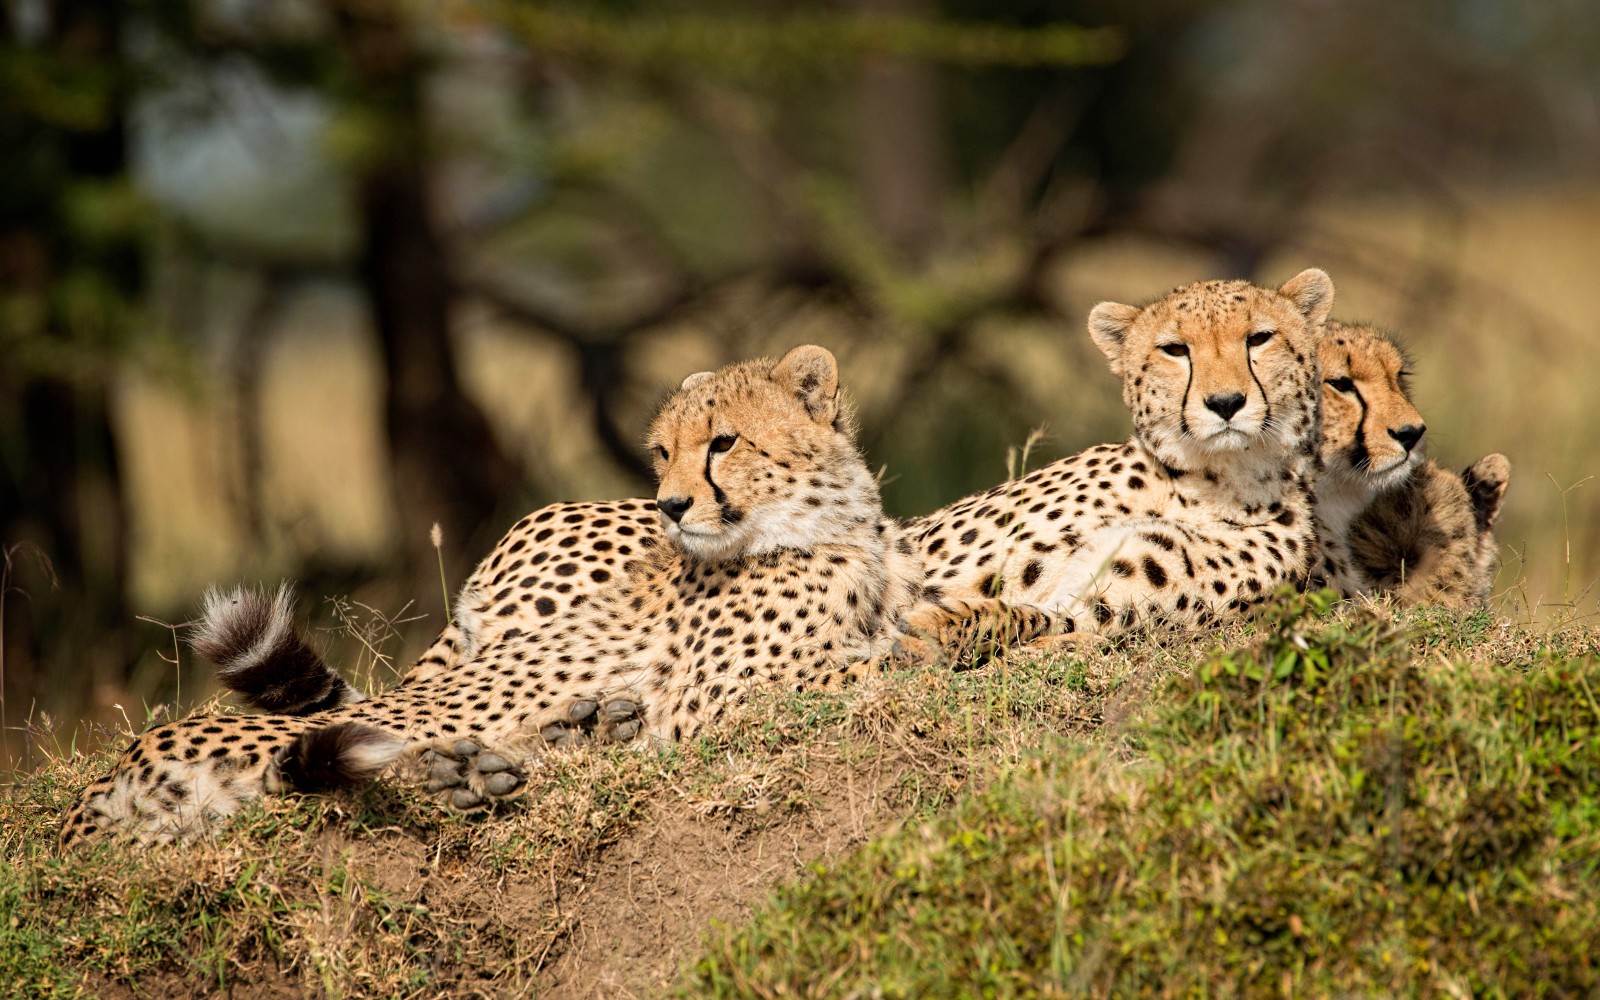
x: 1202, y: 513
x: 777, y: 566
x: 1389, y: 520
x: 765, y: 558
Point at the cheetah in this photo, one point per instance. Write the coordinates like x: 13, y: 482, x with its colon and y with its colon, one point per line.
x: 1389, y: 520
x: 1202, y: 513
x: 773, y: 564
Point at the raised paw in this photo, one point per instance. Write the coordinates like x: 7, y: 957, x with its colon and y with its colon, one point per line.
x: 608, y: 720
x: 469, y: 778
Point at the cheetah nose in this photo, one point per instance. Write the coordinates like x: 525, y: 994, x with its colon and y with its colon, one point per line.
x: 674, y: 507
x: 1225, y: 406
x: 1409, y: 435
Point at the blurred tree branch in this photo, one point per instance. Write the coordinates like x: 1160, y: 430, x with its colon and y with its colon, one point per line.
x: 449, y: 466
x: 741, y: 46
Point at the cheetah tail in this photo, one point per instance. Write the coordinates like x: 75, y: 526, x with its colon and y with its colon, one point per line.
x: 330, y: 757
x: 251, y: 636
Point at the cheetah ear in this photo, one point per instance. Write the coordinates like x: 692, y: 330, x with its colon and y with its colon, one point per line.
x: 1108, y: 325
x: 1486, y: 482
x: 812, y: 374
x: 694, y: 380
x: 1312, y: 293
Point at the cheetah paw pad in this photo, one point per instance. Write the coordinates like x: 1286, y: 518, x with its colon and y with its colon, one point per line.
x: 613, y: 720
x: 469, y: 778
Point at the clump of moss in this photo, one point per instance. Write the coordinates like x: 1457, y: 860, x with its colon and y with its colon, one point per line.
x: 1323, y: 810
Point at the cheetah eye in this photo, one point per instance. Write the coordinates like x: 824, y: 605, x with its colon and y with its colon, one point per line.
x: 1175, y: 350
x: 722, y: 442
x: 661, y: 453
x: 1259, y: 337
x: 1342, y: 384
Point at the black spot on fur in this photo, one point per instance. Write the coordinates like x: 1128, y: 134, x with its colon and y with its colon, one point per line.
x: 1030, y: 573
x: 1154, y: 573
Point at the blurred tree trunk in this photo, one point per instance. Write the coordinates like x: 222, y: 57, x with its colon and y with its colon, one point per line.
x: 61, y: 488
x: 447, y: 465
x: 900, y: 167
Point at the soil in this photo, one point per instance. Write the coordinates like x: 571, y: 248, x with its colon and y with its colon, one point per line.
x: 642, y: 908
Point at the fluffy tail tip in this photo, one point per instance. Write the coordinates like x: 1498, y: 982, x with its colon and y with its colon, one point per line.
x: 243, y: 624
x: 250, y: 635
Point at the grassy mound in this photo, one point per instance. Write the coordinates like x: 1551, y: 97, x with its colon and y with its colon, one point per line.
x: 1337, y: 808
x: 1334, y: 806
x: 380, y: 893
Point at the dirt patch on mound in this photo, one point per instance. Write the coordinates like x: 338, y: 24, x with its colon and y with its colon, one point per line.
x: 640, y: 909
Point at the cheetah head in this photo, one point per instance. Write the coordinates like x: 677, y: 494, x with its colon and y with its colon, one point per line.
x: 760, y: 456
x: 1371, y: 434
x: 1220, y: 369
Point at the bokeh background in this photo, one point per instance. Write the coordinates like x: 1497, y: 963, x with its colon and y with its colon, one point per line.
x: 285, y: 282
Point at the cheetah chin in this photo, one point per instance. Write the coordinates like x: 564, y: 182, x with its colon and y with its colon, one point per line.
x: 711, y: 546
x: 1395, y: 473
x: 1230, y: 439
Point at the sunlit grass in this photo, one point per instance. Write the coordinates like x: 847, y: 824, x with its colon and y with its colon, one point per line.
x: 1346, y: 806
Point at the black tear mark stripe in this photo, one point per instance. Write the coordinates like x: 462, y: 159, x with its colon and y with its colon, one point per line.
x: 711, y: 435
x: 1183, y: 410
x: 1359, y: 453
x: 728, y: 514
x: 716, y: 491
x: 1250, y: 365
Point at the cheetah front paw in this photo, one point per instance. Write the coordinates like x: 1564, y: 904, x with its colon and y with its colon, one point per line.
x: 468, y: 778
x: 607, y: 720
x: 915, y: 650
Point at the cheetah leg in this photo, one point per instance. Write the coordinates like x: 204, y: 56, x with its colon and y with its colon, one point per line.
x: 968, y: 634
x: 607, y: 719
x: 1048, y: 646
x: 467, y: 777
x: 963, y: 634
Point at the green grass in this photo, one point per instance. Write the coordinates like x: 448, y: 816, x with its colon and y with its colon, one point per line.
x: 1328, y: 801
x: 1342, y: 807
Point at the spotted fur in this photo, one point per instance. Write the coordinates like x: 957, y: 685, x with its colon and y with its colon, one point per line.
x: 1431, y: 540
